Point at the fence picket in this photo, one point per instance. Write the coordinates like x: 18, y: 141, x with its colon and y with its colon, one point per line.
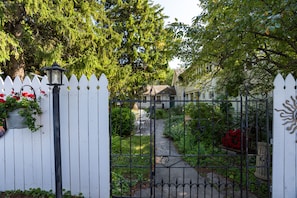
x: 104, y: 137
x: 19, y: 159
x: 93, y: 136
x: 47, y: 149
x: 84, y: 135
x: 284, y: 138
x: 9, y: 174
x: 289, y: 153
x: 74, y: 135
x: 64, y: 133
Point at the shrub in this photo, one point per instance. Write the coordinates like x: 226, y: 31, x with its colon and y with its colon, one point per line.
x: 122, y: 121
x: 177, y: 110
x: 207, y: 122
x: 161, y: 114
x: 174, y: 128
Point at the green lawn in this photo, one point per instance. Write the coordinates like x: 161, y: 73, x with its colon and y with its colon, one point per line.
x: 130, y: 162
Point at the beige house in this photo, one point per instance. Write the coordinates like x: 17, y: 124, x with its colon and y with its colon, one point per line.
x: 202, y: 89
x: 163, y: 96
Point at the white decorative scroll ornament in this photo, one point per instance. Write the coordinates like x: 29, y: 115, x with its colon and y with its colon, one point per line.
x: 289, y: 114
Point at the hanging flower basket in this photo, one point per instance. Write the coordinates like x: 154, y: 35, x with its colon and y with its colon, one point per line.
x: 15, y: 120
x: 19, y: 109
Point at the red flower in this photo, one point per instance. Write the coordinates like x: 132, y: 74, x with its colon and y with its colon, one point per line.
x: 28, y: 95
x: 42, y: 92
x: 16, y: 97
x: 2, y: 100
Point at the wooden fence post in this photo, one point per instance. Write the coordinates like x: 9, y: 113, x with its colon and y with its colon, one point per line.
x: 284, y: 137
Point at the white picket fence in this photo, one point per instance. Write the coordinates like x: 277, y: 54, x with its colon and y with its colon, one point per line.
x: 27, y: 159
x: 284, y: 175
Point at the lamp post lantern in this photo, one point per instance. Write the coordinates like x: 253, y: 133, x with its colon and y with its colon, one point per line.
x: 55, y: 76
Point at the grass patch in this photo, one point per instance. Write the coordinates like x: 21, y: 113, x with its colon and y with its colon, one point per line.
x: 131, y: 163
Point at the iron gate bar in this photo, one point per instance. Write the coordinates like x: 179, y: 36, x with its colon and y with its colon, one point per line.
x: 244, y: 156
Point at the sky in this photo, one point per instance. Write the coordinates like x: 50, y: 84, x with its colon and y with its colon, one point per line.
x: 183, y: 10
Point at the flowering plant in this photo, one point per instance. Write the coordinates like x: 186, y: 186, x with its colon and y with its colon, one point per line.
x: 232, y: 139
x: 26, y: 102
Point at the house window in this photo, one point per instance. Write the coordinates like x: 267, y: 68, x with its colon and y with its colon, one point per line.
x: 158, y: 99
x: 203, y: 95
x: 192, y: 96
x: 197, y: 95
x: 211, y: 94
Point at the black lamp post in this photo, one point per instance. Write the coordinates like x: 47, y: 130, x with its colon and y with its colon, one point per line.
x: 55, y: 76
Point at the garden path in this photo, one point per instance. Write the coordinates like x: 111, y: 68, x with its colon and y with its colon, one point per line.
x: 168, y: 163
x: 168, y: 169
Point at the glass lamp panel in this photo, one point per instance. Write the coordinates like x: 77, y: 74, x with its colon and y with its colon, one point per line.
x: 48, y: 74
x: 56, y: 77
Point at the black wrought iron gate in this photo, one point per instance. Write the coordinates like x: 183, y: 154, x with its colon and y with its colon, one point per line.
x: 193, y: 148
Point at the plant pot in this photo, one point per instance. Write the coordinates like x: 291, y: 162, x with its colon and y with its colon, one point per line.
x: 15, y: 120
x: 262, y: 161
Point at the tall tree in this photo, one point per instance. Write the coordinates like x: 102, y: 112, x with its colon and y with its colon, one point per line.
x: 146, y: 47
x: 126, y: 40
x: 248, y: 42
x: 37, y: 33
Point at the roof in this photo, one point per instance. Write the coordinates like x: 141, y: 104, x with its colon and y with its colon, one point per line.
x: 159, y: 90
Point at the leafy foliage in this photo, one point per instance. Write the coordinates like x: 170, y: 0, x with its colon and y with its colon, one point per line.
x: 122, y: 120
x: 146, y: 46
x: 72, y: 33
x: 37, y: 192
x: 174, y: 127
x: 247, y: 42
x: 207, y: 122
x: 126, y: 40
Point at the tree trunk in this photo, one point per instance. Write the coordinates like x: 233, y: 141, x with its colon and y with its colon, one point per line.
x: 16, y: 67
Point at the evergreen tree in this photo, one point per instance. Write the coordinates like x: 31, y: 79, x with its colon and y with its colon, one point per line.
x: 146, y: 46
x: 126, y: 40
x: 76, y: 34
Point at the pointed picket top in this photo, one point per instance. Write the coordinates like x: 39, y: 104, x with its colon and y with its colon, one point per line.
x: 93, y: 82
x: 290, y: 81
x: 65, y: 80
x: 36, y: 81
x: 27, y: 81
x: 65, y: 83
x: 1, y: 81
x: 73, y: 82
x: 83, y: 82
x: 8, y: 80
x: 17, y: 84
x: 103, y: 81
x: 279, y: 81
x: 1, y: 85
x: 44, y: 80
x: 43, y: 85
